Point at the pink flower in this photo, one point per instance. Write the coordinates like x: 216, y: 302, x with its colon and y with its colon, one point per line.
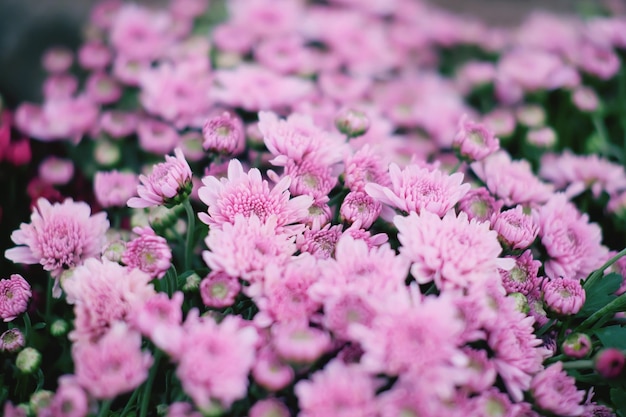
x: 12, y: 340
x: 319, y: 242
x: 358, y: 205
x: 515, y: 228
x: 219, y: 290
x: 453, y: 251
x: 577, y: 345
x: 479, y: 204
x: 248, y: 194
x: 310, y: 177
x: 148, y: 252
x: 168, y: 184
x: 57, y: 59
x: 297, y: 343
x: 572, y: 243
x: 182, y: 409
x: 114, y: 188
x: 156, y: 136
x: 102, y: 88
x: 337, y: 390
x: 243, y: 249
x: 159, y: 315
x: 585, y: 99
x: 113, y: 365
x: 60, y: 236
x: 94, y: 55
x: 363, y: 167
x: 59, y: 86
x: 555, y: 391
x: 139, y: 33
x: 522, y: 277
x: 215, y: 360
x: 609, y: 363
x: 224, y: 134
x: 102, y: 293
x: 56, y: 171
x: 118, y: 124
x: 563, y: 296
x: 15, y: 293
x: 474, y: 141
x: 70, y: 400
x: 270, y: 372
x: 416, y: 189
x: 270, y: 407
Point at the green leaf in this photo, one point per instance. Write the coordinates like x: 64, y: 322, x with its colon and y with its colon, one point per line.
x: 612, y: 336
x: 600, y: 294
x: 618, y: 398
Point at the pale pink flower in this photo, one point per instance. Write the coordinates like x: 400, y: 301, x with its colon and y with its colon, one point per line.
x: 168, y: 184
x: 12, y: 340
x: 94, y: 55
x: 418, y: 190
x: 113, y: 365
x: 358, y: 205
x: 337, y: 390
x: 555, y: 391
x: 130, y: 70
x: 474, y: 141
x: 59, y: 86
x: 102, y: 293
x: 574, y: 245
x: 104, y: 12
x: 343, y: 88
x: 248, y: 194
x: 59, y: 236
x: 57, y: 59
x: 482, y: 371
x: 15, y: 293
x: 475, y: 74
x: 543, y: 137
x: 148, y: 252
x: 57, y: 171
x: 182, y: 409
x: 300, y: 344
x: 285, y: 54
x: 454, y: 252
x: 114, y: 188
x: 219, y: 290
x: 320, y: 242
x: 270, y: 372
x: 344, y: 310
x: 156, y: 136
x: 563, y: 296
x: 245, y: 247
x: 70, y: 399
x: 585, y: 99
x: 265, y: 18
x: 579, y: 172
x: 221, y: 375
x: 102, y: 88
x: 522, y: 277
x: 118, y: 124
x: 479, y: 204
x: 140, y: 33
x: 512, y: 181
x: 365, y: 166
x: 10, y: 410
x: 269, y: 407
x: 531, y: 115
x: 492, y: 402
x: 224, y: 134
x: 609, y: 362
x: 501, y: 121
x: 597, y: 59
x: 310, y: 177
x: 159, y: 316
x: 515, y: 228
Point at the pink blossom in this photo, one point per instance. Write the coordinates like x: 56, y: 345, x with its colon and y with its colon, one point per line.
x: 221, y: 375
x: 168, y: 184
x: 56, y: 171
x: 337, y: 390
x: 577, y: 345
x: 114, y: 188
x: 10, y: 410
x: 156, y: 136
x: 544, y: 137
x: 609, y: 362
x: 478, y: 204
x: 482, y: 370
x: 148, y: 252
x: 219, y: 290
x: 94, y: 55
x: 296, y: 343
x: 343, y: 311
x: 60, y: 236
x: 224, y: 134
x: 285, y: 54
x: 522, y: 277
x: 248, y: 194
x: 159, y: 315
x: 597, y: 59
x: 343, y: 88
x: 102, y: 88
x: 244, y: 248
x: 57, y: 59
x: 501, y: 121
x: 113, y: 365
x: 365, y: 166
x: 474, y: 141
x: 585, y: 99
x: 265, y: 18
x: 512, y: 181
x: 555, y: 391
x: 358, y: 205
x: 573, y: 244
x: 453, y: 251
x: 417, y: 190
x: 12, y: 340
x: 270, y: 407
x: 515, y: 228
x: 310, y: 177
x: 15, y: 293
x: 118, y: 124
x: 59, y: 86
x: 182, y: 409
x: 320, y: 242
x: 70, y: 399
x: 129, y: 71
x: 102, y: 293
x: 563, y: 296
x: 139, y: 33
x: 270, y: 372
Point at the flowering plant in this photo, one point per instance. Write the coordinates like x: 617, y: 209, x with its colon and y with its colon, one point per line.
x: 426, y: 217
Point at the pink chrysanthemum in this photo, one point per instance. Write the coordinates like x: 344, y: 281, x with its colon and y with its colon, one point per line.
x: 479, y: 204
x: 363, y: 167
x: 224, y: 134
x: 70, y: 400
x: 270, y: 372
x: 297, y: 343
x: 416, y: 189
x: 270, y: 407
x: 215, y: 360
x: 555, y: 391
x: 337, y: 390
x: 243, y: 249
x: 114, y: 188
x: 359, y: 206
x: 148, y: 252
x: 103, y: 292
x: 219, y: 290
x: 12, y: 340
x: 168, y: 184
x: 159, y: 313
x: 310, y: 177
x: 60, y: 236
x: 515, y: 228
x: 56, y: 171
x: 474, y: 141
x: 522, y: 277
x: 15, y: 293
x: 563, y: 296
x: 319, y: 242
x: 453, y: 251
x: 247, y: 194
x: 572, y: 243
x: 113, y: 365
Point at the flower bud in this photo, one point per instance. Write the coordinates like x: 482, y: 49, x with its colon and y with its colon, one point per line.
x: 609, y: 363
x: 59, y: 327
x: 107, y: 153
x: 192, y: 283
x: 114, y: 251
x: 576, y: 345
x: 40, y: 400
x: 28, y: 360
x: 521, y: 302
x: 12, y: 340
x: 352, y: 123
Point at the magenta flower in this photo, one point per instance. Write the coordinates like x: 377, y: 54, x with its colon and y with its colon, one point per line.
x: 15, y: 293
x: 113, y: 365
x: 474, y: 141
x: 610, y: 362
x: 114, y: 188
x: 555, y: 391
x: 577, y: 345
x: 169, y: 184
x: 148, y: 252
x: 563, y: 296
x: 60, y: 236
x: 416, y: 189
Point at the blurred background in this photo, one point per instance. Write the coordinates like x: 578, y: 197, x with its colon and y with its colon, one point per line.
x: 28, y: 27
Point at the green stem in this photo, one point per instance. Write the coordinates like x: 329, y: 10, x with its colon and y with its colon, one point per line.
x: 48, y: 300
x: 595, y: 275
x: 191, y: 226
x: 611, y: 308
x: 104, y: 409
x: 598, y: 123
x: 582, y: 364
x: 148, y: 387
x: 27, y: 326
x: 456, y: 167
x: 131, y: 401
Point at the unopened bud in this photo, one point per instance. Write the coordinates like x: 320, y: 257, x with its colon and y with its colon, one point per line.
x: 521, y: 302
x: 609, y: 363
x: 40, y: 400
x: 352, y: 123
x: 59, y: 327
x: 28, y: 360
x: 12, y: 341
x: 577, y: 345
x: 192, y: 283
